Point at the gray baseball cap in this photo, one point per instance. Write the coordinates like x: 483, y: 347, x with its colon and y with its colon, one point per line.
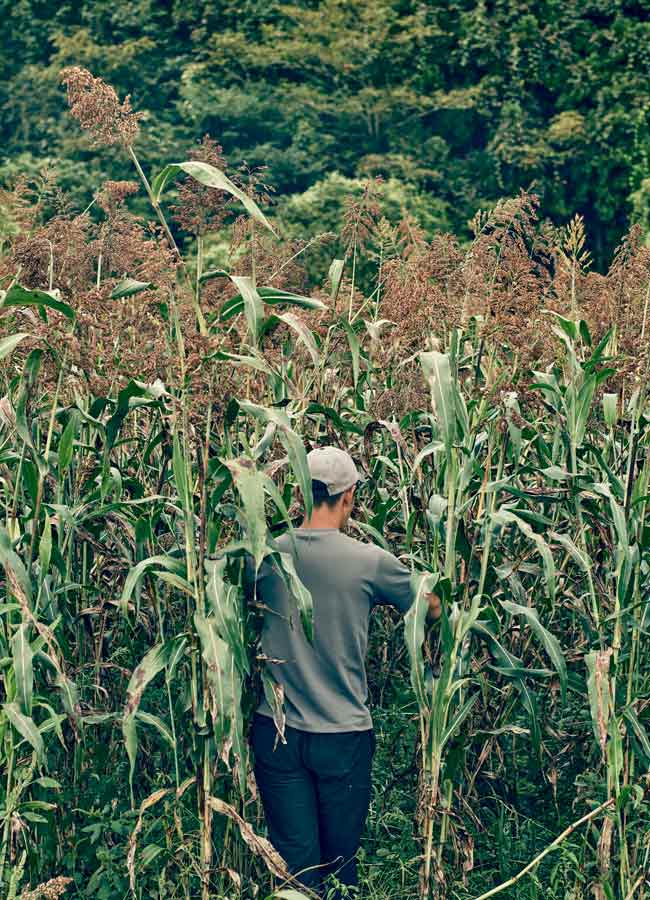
x: 334, y: 467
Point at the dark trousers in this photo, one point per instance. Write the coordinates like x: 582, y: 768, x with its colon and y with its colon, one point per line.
x: 315, y: 790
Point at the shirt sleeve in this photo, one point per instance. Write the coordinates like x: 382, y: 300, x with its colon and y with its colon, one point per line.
x: 392, y: 583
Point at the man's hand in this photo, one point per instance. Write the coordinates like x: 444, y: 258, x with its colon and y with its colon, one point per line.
x: 435, y: 607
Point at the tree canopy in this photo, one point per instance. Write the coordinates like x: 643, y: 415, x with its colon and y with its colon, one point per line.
x: 463, y: 102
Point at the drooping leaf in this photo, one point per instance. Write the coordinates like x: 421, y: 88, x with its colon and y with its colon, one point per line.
x: 224, y: 600
x: 414, y: 622
x: 253, y: 306
x: 273, y: 296
x: 258, y: 845
x: 298, y: 591
x: 635, y: 726
x: 151, y: 664
x: 305, y: 335
x: 210, y: 176
x: 25, y: 726
x: 222, y: 698
x: 578, y: 556
x: 157, y: 723
x: 135, y: 574
x: 17, y: 576
x: 549, y: 641
x: 598, y: 689
x: 274, y: 695
x: 292, y: 443
x: 506, y: 517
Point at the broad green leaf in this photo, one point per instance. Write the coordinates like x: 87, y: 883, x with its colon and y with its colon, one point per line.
x: 288, y: 894
x: 17, y: 576
x: 414, y: 622
x: 128, y: 287
x: 20, y: 296
x: 634, y: 724
x: 28, y: 384
x: 250, y: 485
x: 250, y: 362
x: 66, y: 444
x: 334, y: 274
x: 431, y: 448
x: 9, y: 344
x: 45, y: 548
x: 25, y: 726
x: 23, y: 671
x: 149, y: 853
x: 210, y: 176
x: 618, y: 514
x: 224, y: 599
x: 181, y: 584
x: 437, y: 371
x: 615, y: 760
x: 568, y: 326
x: 253, y: 306
x: 610, y: 409
x: 574, y: 552
x: 459, y: 718
x: 291, y: 442
x: 176, y: 649
x: 69, y: 695
x: 266, y: 441
x: 179, y: 466
x: 331, y: 414
x: 222, y: 699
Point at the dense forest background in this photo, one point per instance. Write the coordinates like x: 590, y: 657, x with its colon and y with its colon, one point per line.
x: 454, y: 104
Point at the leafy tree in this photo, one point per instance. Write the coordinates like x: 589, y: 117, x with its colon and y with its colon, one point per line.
x: 465, y: 101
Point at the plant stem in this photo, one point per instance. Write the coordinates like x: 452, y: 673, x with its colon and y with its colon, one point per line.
x: 558, y: 840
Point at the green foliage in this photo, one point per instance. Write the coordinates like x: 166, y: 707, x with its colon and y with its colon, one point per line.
x: 512, y: 474
x: 463, y: 102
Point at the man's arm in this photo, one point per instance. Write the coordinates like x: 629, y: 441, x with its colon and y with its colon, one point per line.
x: 393, y: 587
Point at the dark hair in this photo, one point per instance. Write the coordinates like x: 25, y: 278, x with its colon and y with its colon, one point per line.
x: 321, y: 497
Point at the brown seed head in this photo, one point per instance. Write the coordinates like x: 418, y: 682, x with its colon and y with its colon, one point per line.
x: 114, y: 193
x: 98, y: 110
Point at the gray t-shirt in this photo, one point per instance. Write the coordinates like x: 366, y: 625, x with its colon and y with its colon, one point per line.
x: 325, y: 687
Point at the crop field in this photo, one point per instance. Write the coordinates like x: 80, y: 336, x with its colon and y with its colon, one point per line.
x: 163, y: 376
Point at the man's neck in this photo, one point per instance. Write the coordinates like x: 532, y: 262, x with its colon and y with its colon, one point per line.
x: 322, y: 519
